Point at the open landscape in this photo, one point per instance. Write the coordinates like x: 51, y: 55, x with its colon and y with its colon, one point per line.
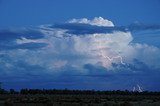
x: 36, y: 97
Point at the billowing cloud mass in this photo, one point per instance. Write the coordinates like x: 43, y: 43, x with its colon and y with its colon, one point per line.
x: 98, y: 21
x: 55, y: 56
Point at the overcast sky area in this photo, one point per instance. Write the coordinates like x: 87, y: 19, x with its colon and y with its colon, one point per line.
x: 80, y: 44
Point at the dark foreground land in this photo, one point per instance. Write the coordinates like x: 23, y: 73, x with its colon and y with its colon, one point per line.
x: 78, y: 98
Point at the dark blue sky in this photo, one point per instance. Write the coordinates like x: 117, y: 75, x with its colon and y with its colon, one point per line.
x: 19, y: 13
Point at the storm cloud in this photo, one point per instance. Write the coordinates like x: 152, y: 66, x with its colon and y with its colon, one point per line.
x: 78, y: 53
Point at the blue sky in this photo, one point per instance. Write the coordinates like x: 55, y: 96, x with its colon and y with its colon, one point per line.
x: 80, y: 44
x: 20, y: 13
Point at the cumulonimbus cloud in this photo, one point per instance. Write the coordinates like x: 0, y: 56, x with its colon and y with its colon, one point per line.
x: 95, y: 53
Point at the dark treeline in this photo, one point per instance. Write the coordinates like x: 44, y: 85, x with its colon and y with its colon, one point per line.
x: 75, y: 92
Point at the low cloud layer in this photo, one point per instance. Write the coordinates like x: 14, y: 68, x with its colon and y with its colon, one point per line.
x: 52, y: 55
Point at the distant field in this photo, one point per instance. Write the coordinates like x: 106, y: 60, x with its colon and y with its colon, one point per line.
x: 78, y: 100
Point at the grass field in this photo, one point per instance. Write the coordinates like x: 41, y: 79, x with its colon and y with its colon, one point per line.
x: 78, y: 100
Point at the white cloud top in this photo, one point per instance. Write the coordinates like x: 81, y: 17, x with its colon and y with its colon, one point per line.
x: 98, y: 21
